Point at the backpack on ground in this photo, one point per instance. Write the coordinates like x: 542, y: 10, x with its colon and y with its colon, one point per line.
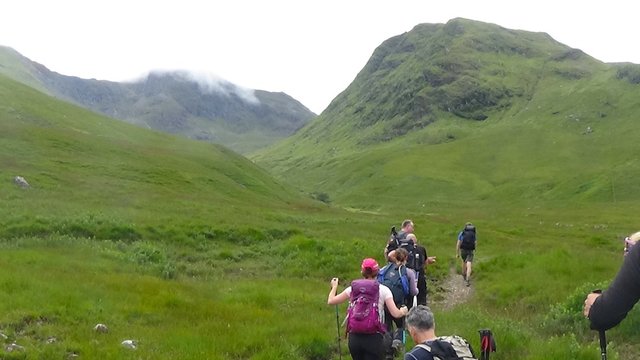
x: 400, y: 240
x: 468, y: 238
x: 395, y: 278
x: 449, y: 348
x: 363, y: 315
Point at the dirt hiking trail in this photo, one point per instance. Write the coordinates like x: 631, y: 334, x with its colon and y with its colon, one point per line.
x: 453, y: 291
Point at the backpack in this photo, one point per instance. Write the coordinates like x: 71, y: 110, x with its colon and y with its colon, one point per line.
x: 395, y: 278
x: 449, y: 348
x: 468, y: 238
x: 421, y: 258
x: 400, y: 240
x: 363, y: 315
x: 487, y: 343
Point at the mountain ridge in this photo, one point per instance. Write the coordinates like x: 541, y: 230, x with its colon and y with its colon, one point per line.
x: 459, y: 96
x: 198, y: 106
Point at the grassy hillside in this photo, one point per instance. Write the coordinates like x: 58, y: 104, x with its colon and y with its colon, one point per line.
x: 198, y: 254
x: 471, y: 110
x: 526, y: 137
x: 70, y: 155
x: 147, y: 233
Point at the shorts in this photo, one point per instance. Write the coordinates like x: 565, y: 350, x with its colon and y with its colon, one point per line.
x: 466, y: 255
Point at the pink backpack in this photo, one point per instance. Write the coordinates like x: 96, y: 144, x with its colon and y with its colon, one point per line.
x: 363, y: 316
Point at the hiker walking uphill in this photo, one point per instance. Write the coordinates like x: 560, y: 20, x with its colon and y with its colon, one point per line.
x: 365, y: 317
x: 403, y: 285
x: 417, y: 257
x: 421, y: 326
x: 405, y: 238
x: 422, y: 260
x: 465, y: 248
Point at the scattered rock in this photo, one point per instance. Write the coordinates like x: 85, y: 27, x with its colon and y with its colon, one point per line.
x: 101, y: 328
x: 130, y: 344
x: 51, y: 340
x: 20, y: 181
x: 3, y: 336
x: 14, y: 347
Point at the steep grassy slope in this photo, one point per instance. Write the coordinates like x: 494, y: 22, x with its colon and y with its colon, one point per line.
x: 80, y: 163
x: 177, y: 244
x: 468, y: 110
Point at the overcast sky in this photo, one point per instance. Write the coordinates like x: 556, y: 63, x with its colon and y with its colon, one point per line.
x: 311, y: 50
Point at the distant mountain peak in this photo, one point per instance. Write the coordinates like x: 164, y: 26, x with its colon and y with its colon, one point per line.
x: 195, y: 104
x: 208, y: 83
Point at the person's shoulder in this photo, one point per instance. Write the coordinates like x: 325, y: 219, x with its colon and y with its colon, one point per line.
x: 418, y: 353
x: 385, y: 292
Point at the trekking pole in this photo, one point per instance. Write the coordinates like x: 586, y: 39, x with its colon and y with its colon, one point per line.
x: 338, y: 327
x: 602, y: 335
x: 603, y: 344
x: 487, y: 343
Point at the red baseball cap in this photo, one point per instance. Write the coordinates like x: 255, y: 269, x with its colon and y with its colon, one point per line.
x: 371, y: 264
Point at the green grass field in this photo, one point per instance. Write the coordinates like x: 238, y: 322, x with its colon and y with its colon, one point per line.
x: 198, y: 253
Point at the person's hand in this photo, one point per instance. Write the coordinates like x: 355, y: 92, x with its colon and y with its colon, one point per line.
x: 404, y: 310
x: 431, y: 259
x: 334, y: 282
x: 588, y: 302
x: 629, y: 241
x: 457, y: 255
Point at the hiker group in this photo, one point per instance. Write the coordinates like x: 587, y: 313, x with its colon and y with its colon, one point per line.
x: 391, y: 299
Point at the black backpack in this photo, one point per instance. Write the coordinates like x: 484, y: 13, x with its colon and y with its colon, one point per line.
x: 468, y: 238
x: 400, y: 240
x: 449, y: 348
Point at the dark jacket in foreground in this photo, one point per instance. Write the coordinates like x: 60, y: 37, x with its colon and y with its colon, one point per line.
x: 613, y: 305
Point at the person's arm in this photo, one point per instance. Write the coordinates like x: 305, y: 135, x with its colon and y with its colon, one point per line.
x: 607, y: 310
x: 393, y: 309
x: 334, y: 299
x: 458, y: 245
x: 413, y: 282
x: 391, y: 245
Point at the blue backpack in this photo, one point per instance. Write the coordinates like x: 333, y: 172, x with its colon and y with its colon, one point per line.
x: 395, y: 278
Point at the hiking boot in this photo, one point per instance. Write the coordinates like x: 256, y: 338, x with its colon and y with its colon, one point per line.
x: 467, y: 282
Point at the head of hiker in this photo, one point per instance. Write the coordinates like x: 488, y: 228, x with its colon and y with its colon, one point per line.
x: 400, y: 255
x: 369, y: 268
x: 407, y: 226
x: 421, y: 324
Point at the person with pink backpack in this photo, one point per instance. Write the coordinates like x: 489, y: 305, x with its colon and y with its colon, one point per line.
x: 365, y: 316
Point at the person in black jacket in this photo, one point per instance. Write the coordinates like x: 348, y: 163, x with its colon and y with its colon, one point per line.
x: 607, y: 309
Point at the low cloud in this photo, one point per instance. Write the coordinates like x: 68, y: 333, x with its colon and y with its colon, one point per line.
x: 210, y: 83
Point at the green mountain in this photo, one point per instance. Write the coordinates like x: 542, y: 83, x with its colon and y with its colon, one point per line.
x: 186, y: 247
x: 193, y: 105
x: 79, y: 163
x: 467, y: 111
